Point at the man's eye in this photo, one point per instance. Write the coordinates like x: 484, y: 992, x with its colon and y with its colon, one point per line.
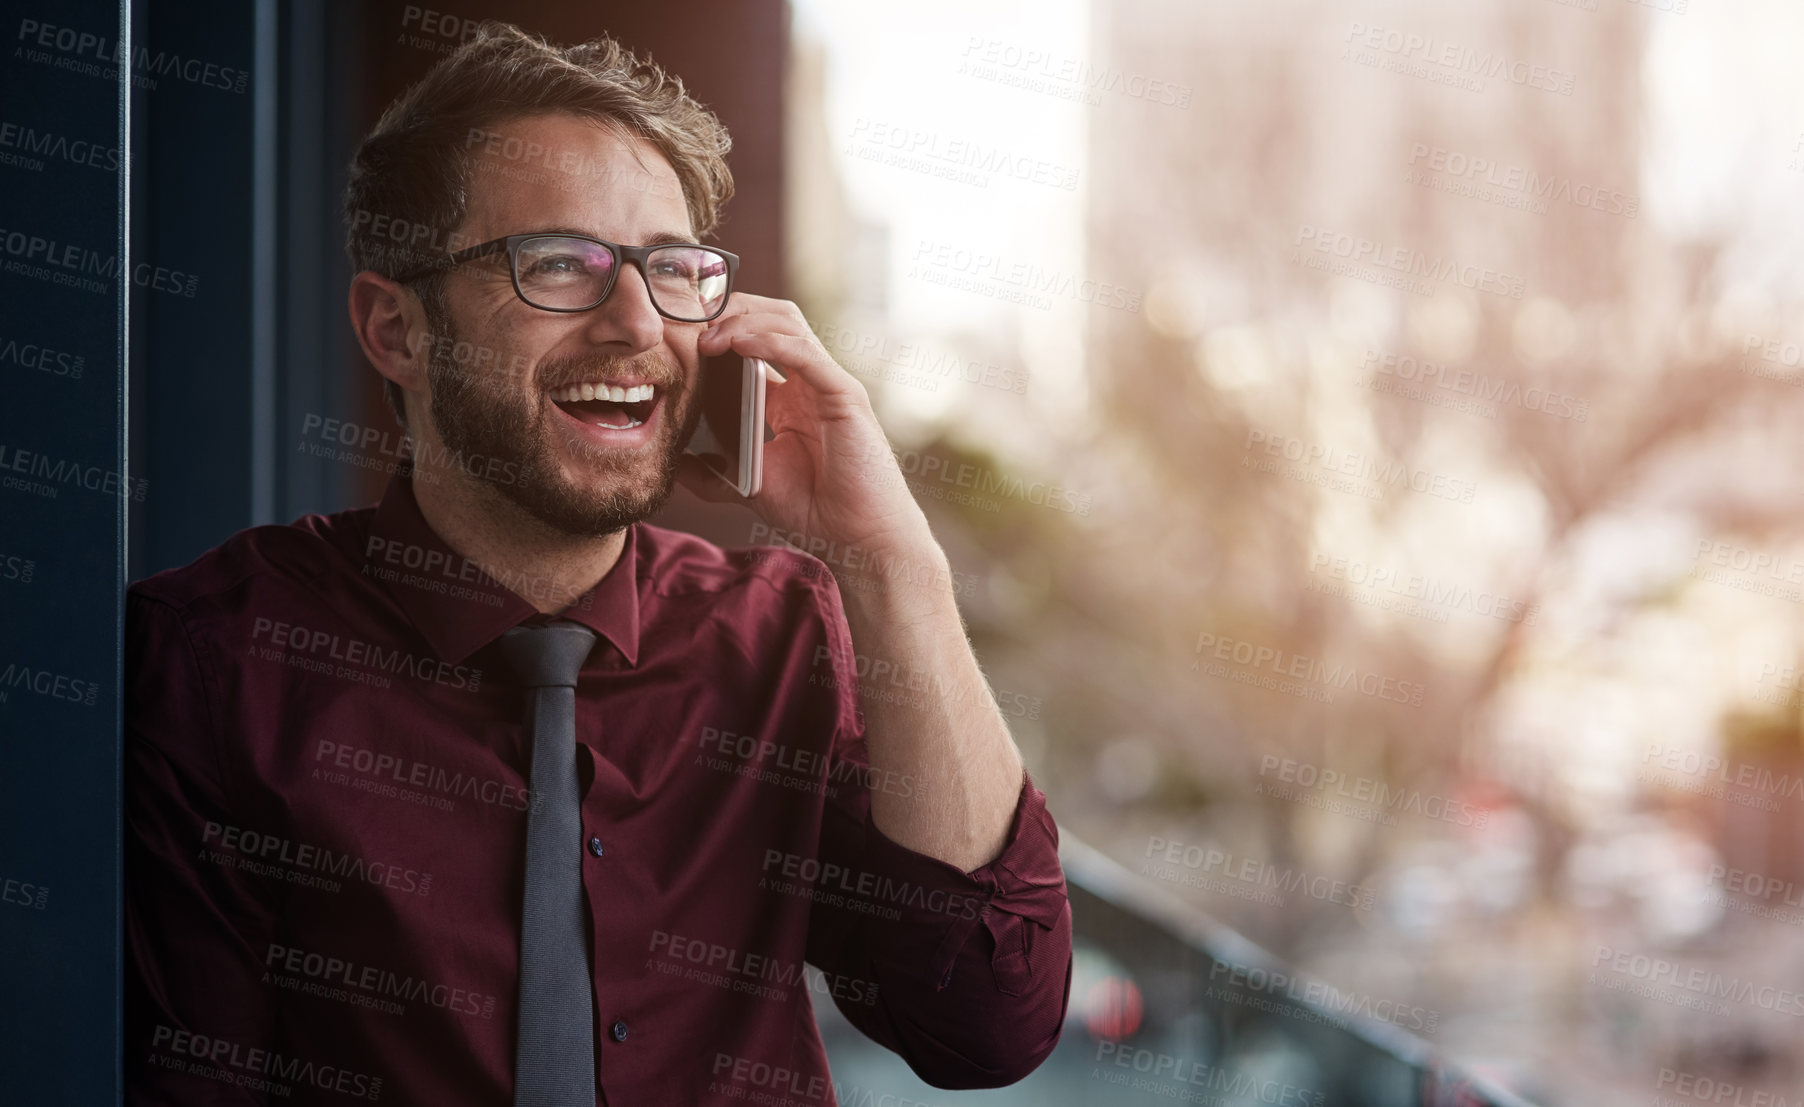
x: 559, y: 264
x: 679, y: 269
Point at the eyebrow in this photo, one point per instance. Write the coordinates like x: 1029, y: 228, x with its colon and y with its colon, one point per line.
x: 656, y: 238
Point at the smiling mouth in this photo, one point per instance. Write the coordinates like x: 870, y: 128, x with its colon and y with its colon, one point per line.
x: 610, y: 407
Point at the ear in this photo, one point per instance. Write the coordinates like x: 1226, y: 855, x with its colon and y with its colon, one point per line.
x: 391, y: 327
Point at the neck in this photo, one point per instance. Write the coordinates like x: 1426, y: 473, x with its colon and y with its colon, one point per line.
x: 472, y: 517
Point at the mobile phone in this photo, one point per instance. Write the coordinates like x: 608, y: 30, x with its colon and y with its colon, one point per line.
x: 731, y: 430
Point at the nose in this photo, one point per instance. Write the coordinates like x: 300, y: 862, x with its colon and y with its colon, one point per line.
x: 627, y: 318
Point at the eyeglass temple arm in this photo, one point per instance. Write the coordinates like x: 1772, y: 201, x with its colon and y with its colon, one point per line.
x: 450, y: 261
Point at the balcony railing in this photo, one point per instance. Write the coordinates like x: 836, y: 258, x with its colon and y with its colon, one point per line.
x: 1168, y: 1004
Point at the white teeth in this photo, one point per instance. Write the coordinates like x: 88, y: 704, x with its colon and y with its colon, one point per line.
x: 573, y: 393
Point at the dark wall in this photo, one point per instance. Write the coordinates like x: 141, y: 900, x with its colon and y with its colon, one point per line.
x: 64, y: 497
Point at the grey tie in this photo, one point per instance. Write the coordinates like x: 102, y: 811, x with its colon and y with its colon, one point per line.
x: 554, y: 1058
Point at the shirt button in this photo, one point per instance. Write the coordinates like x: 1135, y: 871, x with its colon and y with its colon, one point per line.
x: 595, y: 846
x: 618, y: 1030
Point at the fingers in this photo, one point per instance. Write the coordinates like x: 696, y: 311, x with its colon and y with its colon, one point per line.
x: 769, y: 314
x: 743, y: 303
x: 715, y: 337
x: 793, y: 356
x: 764, y: 318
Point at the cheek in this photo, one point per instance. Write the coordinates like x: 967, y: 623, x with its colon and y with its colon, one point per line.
x: 692, y: 397
x: 509, y: 345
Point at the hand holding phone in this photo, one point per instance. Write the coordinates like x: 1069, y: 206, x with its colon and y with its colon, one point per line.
x: 833, y: 475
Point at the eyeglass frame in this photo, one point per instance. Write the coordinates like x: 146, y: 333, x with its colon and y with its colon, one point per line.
x: 623, y: 256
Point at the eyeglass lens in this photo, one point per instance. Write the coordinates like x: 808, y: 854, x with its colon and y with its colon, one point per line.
x: 570, y: 274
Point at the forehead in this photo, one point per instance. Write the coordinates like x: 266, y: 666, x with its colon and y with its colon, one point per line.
x: 564, y: 171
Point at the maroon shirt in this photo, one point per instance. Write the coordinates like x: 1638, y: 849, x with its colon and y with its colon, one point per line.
x: 326, y: 793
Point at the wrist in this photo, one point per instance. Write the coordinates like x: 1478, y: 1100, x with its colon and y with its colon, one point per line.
x: 888, y: 574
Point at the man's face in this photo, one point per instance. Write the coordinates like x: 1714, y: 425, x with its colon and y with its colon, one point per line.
x: 584, y: 468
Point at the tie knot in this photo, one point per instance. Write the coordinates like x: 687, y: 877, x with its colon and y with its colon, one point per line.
x: 548, y: 656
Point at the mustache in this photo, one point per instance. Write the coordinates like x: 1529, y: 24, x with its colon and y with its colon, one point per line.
x: 651, y: 368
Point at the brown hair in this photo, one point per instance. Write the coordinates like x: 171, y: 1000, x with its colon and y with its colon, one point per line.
x: 410, y: 179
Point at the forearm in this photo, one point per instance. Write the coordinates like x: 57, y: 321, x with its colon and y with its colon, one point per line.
x: 943, y: 731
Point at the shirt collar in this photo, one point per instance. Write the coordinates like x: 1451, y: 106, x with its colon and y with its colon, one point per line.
x: 460, y: 607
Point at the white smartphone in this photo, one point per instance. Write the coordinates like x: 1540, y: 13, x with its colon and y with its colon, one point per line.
x: 731, y: 430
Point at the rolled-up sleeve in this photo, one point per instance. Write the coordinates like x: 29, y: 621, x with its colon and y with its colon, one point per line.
x: 972, y: 971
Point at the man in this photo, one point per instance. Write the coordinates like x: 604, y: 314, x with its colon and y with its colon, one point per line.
x: 493, y: 792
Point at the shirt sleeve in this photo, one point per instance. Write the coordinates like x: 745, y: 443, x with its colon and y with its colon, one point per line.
x: 195, y: 930
x: 971, y: 971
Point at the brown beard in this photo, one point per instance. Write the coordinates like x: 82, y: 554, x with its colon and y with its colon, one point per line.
x: 486, y: 415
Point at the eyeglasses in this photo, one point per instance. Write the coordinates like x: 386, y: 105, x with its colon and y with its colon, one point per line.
x: 573, y: 272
